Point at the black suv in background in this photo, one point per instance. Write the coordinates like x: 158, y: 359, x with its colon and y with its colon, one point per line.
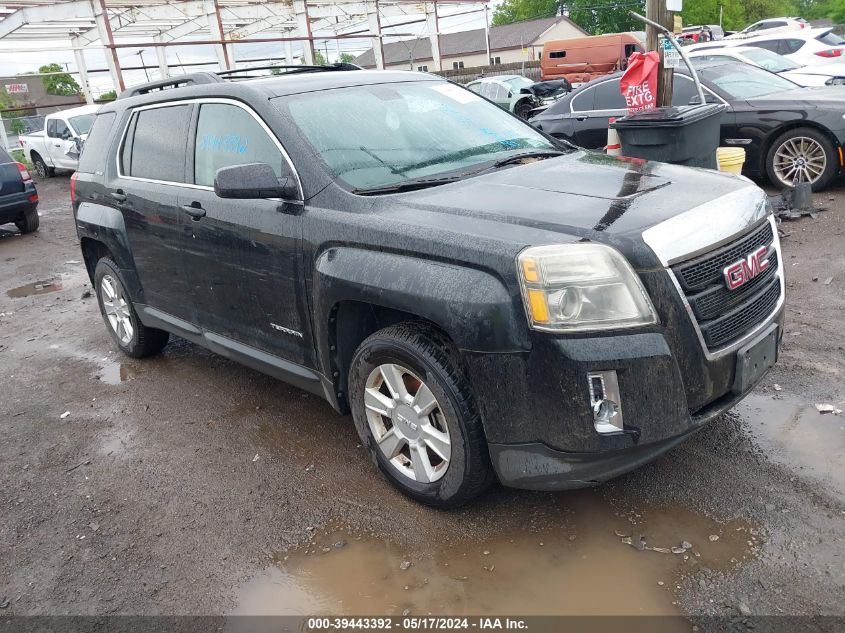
x: 486, y: 302
x: 18, y: 197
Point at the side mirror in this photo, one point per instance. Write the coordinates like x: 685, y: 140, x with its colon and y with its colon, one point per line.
x: 253, y: 181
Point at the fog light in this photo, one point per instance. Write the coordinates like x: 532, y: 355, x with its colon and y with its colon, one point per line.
x: 606, y: 402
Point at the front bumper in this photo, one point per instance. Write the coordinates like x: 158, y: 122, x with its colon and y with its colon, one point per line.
x: 539, y: 422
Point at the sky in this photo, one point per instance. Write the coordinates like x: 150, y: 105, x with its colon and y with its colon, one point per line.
x: 13, y: 61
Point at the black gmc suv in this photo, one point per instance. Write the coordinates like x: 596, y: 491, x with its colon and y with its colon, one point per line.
x: 486, y: 302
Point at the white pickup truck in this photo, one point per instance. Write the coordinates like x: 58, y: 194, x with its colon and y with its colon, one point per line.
x: 58, y: 145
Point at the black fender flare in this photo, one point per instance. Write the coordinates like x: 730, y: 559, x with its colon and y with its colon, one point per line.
x: 106, y: 225
x: 473, y: 307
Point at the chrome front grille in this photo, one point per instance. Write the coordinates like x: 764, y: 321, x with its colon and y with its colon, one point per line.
x: 724, y: 316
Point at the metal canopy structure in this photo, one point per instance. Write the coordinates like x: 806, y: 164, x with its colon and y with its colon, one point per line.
x: 115, y: 24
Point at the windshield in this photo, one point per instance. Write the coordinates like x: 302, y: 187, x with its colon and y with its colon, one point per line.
x: 82, y: 123
x: 770, y: 61
x: 519, y: 82
x: 744, y: 81
x: 380, y: 135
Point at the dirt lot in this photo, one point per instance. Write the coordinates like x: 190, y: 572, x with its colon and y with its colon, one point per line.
x: 186, y: 484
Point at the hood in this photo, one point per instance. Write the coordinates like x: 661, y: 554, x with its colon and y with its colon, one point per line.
x: 822, y: 96
x: 832, y: 69
x: 583, y: 195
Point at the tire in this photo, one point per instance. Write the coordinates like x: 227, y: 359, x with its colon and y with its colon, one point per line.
x: 135, y: 339
x: 424, y: 358
x: 820, y: 161
x: 523, y: 110
x: 41, y: 167
x: 29, y: 222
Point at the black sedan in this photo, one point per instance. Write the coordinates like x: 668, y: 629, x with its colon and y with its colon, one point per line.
x: 18, y: 198
x: 789, y: 133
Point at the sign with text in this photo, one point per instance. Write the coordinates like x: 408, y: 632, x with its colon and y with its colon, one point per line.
x: 639, y: 83
x: 17, y: 88
x: 671, y: 56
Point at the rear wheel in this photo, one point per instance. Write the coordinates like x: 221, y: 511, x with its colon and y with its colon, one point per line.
x: 29, y: 222
x: 132, y: 336
x: 802, y: 155
x: 41, y: 167
x: 416, y: 415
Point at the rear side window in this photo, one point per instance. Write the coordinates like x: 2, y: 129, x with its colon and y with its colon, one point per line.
x: 584, y: 100
x: 228, y: 135
x: 790, y: 46
x: 683, y: 90
x: 831, y: 38
x: 557, y: 54
x: 157, y: 145
x: 769, y: 45
x: 608, y: 96
x: 51, y: 128
x: 95, y: 148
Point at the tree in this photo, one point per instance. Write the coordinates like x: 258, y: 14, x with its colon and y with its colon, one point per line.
x: 319, y: 60
x: 111, y: 95
x: 511, y: 11
x: 63, y: 84
x: 707, y: 12
x: 604, y: 16
x: 347, y: 58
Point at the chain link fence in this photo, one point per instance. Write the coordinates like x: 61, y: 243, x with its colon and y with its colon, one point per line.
x: 16, y: 123
x: 530, y: 69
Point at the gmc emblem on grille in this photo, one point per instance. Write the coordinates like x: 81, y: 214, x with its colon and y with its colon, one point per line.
x: 741, y: 272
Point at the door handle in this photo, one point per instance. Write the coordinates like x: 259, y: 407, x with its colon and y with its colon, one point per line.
x: 118, y: 195
x: 194, y: 210
x: 581, y: 118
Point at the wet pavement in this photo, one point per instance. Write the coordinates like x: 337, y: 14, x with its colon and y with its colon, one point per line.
x: 188, y: 484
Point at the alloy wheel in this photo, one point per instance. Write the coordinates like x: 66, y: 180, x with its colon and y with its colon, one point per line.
x: 407, y: 423
x: 799, y: 159
x: 117, y: 309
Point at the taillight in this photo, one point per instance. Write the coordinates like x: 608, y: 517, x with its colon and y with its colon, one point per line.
x: 831, y: 52
x: 802, y: 24
x: 33, y: 198
x: 24, y: 173
x: 73, y: 188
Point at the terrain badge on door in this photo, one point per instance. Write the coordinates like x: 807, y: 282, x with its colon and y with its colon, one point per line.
x: 286, y: 330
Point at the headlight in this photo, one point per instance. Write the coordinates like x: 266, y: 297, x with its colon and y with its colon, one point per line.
x: 579, y: 287
x: 835, y: 81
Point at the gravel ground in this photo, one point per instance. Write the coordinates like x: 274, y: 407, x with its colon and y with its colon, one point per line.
x: 147, y: 497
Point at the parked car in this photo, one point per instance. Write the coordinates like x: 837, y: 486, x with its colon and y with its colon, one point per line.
x: 18, y: 197
x: 509, y: 92
x: 57, y: 146
x: 789, y: 133
x: 773, y: 25
x: 832, y: 74
x: 486, y: 301
x: 692, y: 34
x: 807, y: 47
x: 581, y: 59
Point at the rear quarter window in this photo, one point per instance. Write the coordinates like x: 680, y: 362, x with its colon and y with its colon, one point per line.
x: 96, y: 145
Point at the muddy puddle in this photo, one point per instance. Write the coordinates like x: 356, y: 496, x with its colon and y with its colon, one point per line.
x: 113, y: 372
x: 794, y: 433
x: 579, y: 564
x: 35, y: 288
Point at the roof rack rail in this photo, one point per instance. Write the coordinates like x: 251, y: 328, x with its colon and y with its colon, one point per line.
x: 170, y: 83
x: 287, y: 69
x: 216, y: 77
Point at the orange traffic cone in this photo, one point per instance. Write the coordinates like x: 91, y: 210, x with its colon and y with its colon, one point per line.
x: 614, y: 147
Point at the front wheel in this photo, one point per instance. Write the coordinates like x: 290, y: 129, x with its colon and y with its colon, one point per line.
x: 131, y: 336
x: 802, y: 155
x: 416, y: 415
x: 523, y: 110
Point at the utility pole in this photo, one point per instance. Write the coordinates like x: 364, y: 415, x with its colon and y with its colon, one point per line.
x: 141, y: 55
x: 656, y: 10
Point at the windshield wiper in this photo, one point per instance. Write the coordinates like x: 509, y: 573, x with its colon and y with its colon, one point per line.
x: 542, y: 153
x: 406, y: 185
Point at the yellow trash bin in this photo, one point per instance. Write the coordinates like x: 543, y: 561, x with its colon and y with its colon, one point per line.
x: 730, y: 159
